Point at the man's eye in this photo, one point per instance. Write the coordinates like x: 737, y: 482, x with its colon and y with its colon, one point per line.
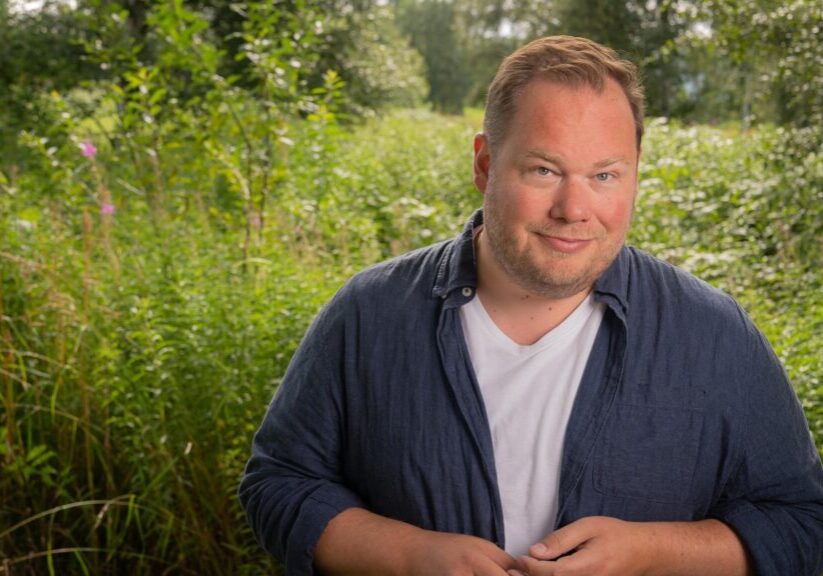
x: 604, y: 176
x: 543, y: 171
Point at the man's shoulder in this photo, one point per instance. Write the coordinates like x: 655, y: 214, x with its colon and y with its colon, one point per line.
x: 656, y: 283
x: 415, y: 264
x: 386, y: 292
x: 412, y: 273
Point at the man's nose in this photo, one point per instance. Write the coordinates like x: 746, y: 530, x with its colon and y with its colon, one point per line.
x: 572, y: 201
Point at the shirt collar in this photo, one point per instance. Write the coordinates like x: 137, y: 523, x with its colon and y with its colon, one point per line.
x: 612, y: 288
x: 458, y: 269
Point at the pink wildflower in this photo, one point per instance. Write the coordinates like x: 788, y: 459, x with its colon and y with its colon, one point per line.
x: 89, y: 150
x: 107, y: 209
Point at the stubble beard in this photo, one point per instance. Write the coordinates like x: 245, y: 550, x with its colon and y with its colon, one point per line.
x: 522, y: 265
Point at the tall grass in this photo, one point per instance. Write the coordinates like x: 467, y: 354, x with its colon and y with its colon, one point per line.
x: 139, y: 389
x: 140, y: 347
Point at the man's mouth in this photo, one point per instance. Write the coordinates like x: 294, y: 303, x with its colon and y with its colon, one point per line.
x: 564, y: 244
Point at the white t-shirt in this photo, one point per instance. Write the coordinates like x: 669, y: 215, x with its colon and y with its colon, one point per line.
x: 528, y: 392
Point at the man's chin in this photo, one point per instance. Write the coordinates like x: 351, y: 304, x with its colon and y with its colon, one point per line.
x: 556, y: 287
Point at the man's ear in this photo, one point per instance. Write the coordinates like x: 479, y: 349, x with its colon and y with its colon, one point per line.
x: 482, y: 161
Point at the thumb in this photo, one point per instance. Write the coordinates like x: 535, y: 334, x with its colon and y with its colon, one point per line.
x: 559, y: 543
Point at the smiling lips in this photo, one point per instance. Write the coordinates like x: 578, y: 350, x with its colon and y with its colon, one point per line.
x: 563, y: 244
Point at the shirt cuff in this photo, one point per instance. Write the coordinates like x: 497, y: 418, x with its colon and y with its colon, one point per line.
x: 760, y: 536
x: 315, y: 514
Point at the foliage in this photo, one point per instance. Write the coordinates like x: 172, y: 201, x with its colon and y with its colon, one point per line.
x: 710, y: 191
x: 463, y: 42
x: 359, y: 40
x: 38, y: 49
x: 62, y: 47
x: 135, y: 368
x: 777, y: 47
x: 141, y: 343
x: 142, y: 196
x: 490, y: 30
x: 432, y: 27
x: 644, y: 32
x: 614, y: 24
x: 705, y: 60
x: 38, y: 53
x: 377, y: 64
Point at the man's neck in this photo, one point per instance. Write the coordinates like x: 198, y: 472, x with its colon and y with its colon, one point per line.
x: 523, y: 316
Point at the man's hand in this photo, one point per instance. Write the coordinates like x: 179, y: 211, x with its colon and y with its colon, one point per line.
x: 601, y: 546
x: 359, y: 542
x: 457, y: 555
x: 595, y: 546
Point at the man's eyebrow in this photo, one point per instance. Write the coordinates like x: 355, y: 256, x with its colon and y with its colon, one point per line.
x: 609, y: 161
x: 544, y: 156
x: 541, y: 155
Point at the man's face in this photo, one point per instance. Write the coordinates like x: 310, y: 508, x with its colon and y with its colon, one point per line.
x: 559, y: 189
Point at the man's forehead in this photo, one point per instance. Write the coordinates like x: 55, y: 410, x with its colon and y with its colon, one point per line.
x: 550, y: 103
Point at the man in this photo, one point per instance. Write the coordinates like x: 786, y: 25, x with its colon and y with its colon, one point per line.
x: 534, y: 396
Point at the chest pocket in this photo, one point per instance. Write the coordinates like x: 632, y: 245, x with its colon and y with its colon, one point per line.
x: 648, y: 452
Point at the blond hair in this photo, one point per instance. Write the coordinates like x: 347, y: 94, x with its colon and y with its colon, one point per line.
x: 564, y: 59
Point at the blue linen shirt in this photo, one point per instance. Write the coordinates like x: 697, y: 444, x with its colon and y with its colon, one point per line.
x: 683, y: 413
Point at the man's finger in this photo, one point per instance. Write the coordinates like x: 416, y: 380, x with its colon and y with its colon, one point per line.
x: 535, y: 567
x: 561, y: 542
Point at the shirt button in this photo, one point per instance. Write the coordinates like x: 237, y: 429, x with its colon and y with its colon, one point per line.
x: 467, y: 291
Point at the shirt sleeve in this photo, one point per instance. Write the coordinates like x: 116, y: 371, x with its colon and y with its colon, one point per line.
x: 292, y: 485
x: 775, y: 500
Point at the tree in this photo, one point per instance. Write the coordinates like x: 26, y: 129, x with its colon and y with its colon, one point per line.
x: 431, y: 25
x: 490, y: 30
x: 377, y: 64
x: 780, y: 46
x: 645, y: 32
x: 357, y: 38
x: 615, y: 24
